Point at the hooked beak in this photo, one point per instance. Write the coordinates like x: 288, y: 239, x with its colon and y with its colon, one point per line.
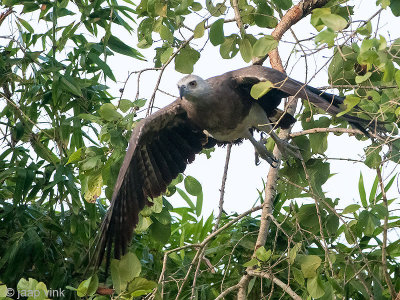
x: 182, y: 90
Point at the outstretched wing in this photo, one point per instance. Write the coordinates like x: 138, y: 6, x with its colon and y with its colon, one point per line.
x: 159, y: 149
x: 286, y: 86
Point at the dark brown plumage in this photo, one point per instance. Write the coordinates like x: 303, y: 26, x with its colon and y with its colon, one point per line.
x: 219, y: 109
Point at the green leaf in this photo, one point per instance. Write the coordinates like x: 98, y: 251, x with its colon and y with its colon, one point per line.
x: 102, y: 65
x: 298, y: 276
x: 264, y: 45
x: 317, y: 15
x: 327, y: 36
x: 395, y: 7
x: 199, y: 30
x: 245, y: 49
x: 125, y: 104
x: 192, y: 186
x: 129, y: 267
x: 70, y: 84
x: 334, y: 22
x: 263, y: 254
x: 141, y: 286
x: 293, y: 252
x: 186, y: 198
x: 397, y: 78
x: 186, y: 59
x: 283, y: 4
x: 366, y: 29
x: 315, y: 287
x: 229, y: 48
x: 26, y: 25
x: 350, y: 101
x: 119, y: 46
x: 76, y: 156
x: 361, y: 190
x: 251, y: 263
x: 309, y: 265
x: 109, y: 113
x: 217, y: 32
x: 88, y: 287
x: 160, y: 232
x: 260, y: 89
x: 351, y: 209
x: 373, y: 158
x: 166, y: 34
x: 361, y: 79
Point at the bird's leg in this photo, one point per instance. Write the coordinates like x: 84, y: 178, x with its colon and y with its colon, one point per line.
x: 285, y: 148
x: 261, y: 150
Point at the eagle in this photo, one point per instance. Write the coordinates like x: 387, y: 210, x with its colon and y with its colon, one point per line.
x: 217, y: 110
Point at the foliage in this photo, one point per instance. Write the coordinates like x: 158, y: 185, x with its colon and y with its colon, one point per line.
x: 65, y: 133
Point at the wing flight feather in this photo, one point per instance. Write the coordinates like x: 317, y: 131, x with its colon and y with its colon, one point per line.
x: 159, y: 149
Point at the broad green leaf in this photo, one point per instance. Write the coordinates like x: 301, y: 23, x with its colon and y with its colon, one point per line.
x: 334, y: 22
x: 88, y: 287
x: 298, y: 276
x: 199, y: 30
x: 264, y: 45
x: 373, y: 158
x: 160, y: 232
x: 315, y: 287
x: 361, y: 190
x: 109, y: 113
x: 124, y: 105
x: 263, y: 254
x: 196, y: 6
x: 129, y: 267
x: 141, y: 286
x: 245, y: 49
x: 166, y: 55
x: 166, y: 34
x: 217, y: 32
x: 397, y: 78
x: 283, y: 4
x: 186, y: 59
x: 192, y: 186
x: 143, y: 224
x: 395, y: 7
x: 351, y: 209
x: 229, y: 48
x: 260, y: 89
x: 251, y: 263
x: 3, y: 291
x: 350, y: 101
x: 309, y: 265
x: 316, y: 17
x: 327, y: 36
x: 119, y: 46
x: 361, y: 79
x: 366, y: 29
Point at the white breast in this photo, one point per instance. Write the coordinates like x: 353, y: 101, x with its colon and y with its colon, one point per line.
x: 256, y: 117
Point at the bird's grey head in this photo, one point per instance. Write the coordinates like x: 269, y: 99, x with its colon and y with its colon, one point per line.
x: 193, y: 88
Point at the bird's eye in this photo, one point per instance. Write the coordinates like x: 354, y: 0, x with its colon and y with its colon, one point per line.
x: 193, y: 83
